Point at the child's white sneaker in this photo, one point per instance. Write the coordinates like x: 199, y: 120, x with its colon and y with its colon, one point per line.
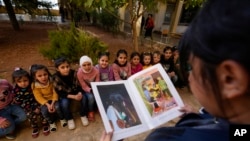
x: 71, y: 124
x: 85, y: 121
x: 63, y: 123
x: 52, y: 127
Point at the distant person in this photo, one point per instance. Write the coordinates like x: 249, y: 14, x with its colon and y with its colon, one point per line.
x: 68, y: 89
x: 25, y: 98
x: 46, y: 95
x: 156, y: 57
x: 135, y: 61
x: 105, y: 69
x: 10, y: 114
x: 121, y: 66
x: 149, y: 25
x: 86, y: 74
x: 146, y: 60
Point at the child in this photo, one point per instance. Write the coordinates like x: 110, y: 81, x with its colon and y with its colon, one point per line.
x: 67, y: 87
x: 10, y: 114
x: 146, y: 59
x: 121, y: 67
x: 88, y: 73
x: 156, y: 57
x: 136, y: 66
x: 105, y: 70
x: 167, y: 62
x: 25, y: 98
x: 45, y: 95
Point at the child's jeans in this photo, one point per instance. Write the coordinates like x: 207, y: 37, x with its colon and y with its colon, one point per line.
x: 14, y: 114
x: 65, y: 107
x: 91, y: 101
x: 51, y: 117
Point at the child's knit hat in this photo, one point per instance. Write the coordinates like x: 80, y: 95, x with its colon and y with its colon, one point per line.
x: 84, y: 59
x: 4, y: 84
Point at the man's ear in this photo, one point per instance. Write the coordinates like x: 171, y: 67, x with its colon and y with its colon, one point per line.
x: 233, y: 79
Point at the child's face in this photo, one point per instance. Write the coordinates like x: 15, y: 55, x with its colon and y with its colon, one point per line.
x: 103, y: 61
x: 156, y: 58
x: 122, y: 59
x: 42, y: 76
x: 86, y: 66
x: 135, y: 60
x: 64, y: 69
x: 147, y: 60
x: 22, y: 82
x: 167, y: 54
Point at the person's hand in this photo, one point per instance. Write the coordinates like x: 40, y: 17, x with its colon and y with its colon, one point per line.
x: 37, y: 111
x: 5, y: 124
x: 78, y: 97
x: 106, y: 136
x: 186, y: 109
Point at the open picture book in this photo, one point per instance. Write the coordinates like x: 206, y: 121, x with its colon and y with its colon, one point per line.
x: 144, y: 101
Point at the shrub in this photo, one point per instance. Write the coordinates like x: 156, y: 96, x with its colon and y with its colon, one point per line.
x: 72, y: 44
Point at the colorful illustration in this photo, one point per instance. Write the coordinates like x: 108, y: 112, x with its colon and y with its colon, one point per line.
x: 155, y: 92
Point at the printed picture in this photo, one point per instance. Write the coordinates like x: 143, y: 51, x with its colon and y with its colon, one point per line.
x: 155, y: 92
x: 118, y: 105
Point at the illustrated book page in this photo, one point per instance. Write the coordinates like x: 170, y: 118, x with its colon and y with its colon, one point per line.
x: 143, y: 102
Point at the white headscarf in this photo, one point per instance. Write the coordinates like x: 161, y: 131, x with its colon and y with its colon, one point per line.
x: 84, y: 59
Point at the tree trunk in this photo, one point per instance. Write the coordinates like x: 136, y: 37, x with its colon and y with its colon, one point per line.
x: 11, y: 14
x: 135, y: 39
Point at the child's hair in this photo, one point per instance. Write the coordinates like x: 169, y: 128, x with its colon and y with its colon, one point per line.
x: 60, y: 61
x: 143, y: 54
x: 100, y: 54
x: 167, y: 48
x: 34, y: 68
x: 157, y: 52
x: 133, y: 54
x: 121, y: 51
x: 18, y: 73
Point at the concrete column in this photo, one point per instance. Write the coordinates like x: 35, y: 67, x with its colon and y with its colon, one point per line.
x: 122, y: 17
x: 159, y: 16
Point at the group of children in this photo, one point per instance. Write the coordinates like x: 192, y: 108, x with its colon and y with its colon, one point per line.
x: 39, y: 96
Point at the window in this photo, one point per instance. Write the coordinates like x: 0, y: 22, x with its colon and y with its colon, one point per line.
x: 169, y: 13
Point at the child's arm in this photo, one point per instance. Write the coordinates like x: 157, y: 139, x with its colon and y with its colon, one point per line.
x: 116, y: 72
x: 83, y: 84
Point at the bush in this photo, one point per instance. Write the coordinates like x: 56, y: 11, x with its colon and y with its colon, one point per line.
x: 72, y: 44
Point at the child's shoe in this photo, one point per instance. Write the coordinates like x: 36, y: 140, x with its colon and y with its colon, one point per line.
x: 85, y: 121
x: 10, y: 136
x: 35, y: 132
x: 91, y: 116
x: 46, y: 130
x: 71, y: 124
x: 63, y: 123
x: 52, y: 127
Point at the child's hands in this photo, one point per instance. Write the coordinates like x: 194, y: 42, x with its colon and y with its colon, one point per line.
x: 186, y: 109
x: 78, y: 97
x: 50, y: 107
x: 37, y: 111
x: 4, y: 124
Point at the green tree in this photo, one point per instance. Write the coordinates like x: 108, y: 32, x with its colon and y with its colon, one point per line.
x: 136, y: 9
x: 28, y: 6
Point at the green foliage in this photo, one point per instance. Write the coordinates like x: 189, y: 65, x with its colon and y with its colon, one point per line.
x: 109, y: 21
x: 72, y: 44
x: 193, y: 3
